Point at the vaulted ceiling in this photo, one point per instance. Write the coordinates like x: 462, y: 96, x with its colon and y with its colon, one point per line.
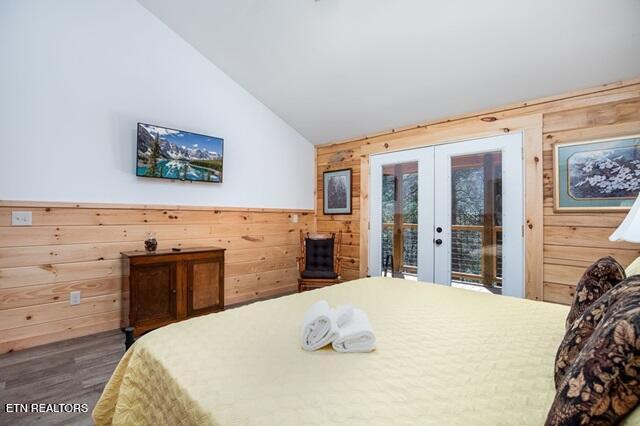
x: 335, y: 69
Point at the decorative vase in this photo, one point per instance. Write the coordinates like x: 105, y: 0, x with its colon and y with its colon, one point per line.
x: 151, y: 244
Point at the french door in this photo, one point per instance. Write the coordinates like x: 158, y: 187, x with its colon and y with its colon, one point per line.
x: 450, y: 214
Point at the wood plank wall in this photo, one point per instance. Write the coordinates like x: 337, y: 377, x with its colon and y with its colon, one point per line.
x: 573, y: 241
x: 570, y: 241
x: 78, y: 248
x: 347, y: 157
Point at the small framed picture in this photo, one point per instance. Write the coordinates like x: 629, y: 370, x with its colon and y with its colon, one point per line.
x: 596, y: 175
x: 337, y: 192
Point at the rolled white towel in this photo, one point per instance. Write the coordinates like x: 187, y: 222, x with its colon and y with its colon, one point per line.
x: 356, y: 335
x: 342, y: 314
x: 318, y: 327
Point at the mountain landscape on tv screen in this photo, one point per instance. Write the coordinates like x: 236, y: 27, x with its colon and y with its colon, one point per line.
x: 174, y: 154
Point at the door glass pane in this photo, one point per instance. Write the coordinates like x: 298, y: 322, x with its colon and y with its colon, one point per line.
x: 476, y: 221
x: 400, y: 220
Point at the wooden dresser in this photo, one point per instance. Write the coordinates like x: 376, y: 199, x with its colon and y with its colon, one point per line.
x: 166, y: 286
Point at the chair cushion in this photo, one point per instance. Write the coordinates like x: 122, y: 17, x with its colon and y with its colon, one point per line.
x: 583, y: 327
x: 319, y: 255
x: 603, y: 384
x: 599, y: 278
x: 329, y: 275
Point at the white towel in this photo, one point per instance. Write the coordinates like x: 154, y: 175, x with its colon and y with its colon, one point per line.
x: 318, y: 327
x: 342, y: 314
x: 356, y: 335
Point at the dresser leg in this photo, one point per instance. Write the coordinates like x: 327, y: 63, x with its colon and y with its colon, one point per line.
x: 128, y: 337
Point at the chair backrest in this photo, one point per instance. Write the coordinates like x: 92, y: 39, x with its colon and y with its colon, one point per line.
x: 320, y: 251
x: 319, y: 254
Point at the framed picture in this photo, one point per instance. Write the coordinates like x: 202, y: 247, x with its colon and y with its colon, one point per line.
x: 597, y: 175
x: 337, y: 192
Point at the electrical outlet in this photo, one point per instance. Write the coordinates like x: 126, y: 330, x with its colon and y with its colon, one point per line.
x: 74, y: 298
x: 21, y: 218
x: 294, y: 218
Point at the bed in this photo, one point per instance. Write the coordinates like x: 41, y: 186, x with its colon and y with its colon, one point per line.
x: 444, y: 356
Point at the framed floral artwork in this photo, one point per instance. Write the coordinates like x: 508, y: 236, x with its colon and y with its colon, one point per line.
x: 596, y: 175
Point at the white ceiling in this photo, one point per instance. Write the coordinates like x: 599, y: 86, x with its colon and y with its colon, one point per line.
x: 335, y: 69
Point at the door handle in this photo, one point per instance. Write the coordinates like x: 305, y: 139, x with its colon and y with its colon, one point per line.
x: 438, y: 241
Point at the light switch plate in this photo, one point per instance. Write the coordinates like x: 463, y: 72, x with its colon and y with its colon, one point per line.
x: 21, y: 218
x: 74, y: 298
x: 294, y: 218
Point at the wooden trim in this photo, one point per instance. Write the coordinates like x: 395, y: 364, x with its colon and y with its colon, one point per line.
x: 364, y: 216
x: 315, y: 190
x: 71, y: 205
x: 338, y: 257
x: 448, y: 133
x: 492, y: 111
x: 533, y: 212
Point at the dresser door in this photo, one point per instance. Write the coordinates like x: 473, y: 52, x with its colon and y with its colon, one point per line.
x: 204, y: 285
x: 153, y: 295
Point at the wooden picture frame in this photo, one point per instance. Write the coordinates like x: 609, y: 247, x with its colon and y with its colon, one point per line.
x: 337, y: 186
x: 583, y: 172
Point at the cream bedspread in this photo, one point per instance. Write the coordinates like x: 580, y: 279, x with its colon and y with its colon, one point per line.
x: 444, y: 356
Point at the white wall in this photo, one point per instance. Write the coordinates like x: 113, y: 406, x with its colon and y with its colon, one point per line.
x: 75, y: 78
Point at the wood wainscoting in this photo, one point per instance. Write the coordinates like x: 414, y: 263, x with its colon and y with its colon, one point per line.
x: 77, y: 247
x: 558, y: 246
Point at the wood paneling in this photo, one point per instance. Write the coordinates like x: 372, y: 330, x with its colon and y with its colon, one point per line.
x: 344, y: 156
x: 534, y: 213
x: 39, y: 314
x: 73, y: 247
x: 574, y: 240
x: 53, y: 331
x: 15, y: 297
x: 558, y: 245
x: 593, y: 116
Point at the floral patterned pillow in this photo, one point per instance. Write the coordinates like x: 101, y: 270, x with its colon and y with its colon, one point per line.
x: 603, y: 384
x: 599, y: 278
x: 582, y: 328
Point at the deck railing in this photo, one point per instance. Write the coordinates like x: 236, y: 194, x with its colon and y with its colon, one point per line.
x: 467, y: 249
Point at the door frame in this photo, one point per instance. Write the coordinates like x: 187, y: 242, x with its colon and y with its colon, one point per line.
x: 531, y: 128
x: 424, y: 158
x: 512, y: 206
x: 475, y: 127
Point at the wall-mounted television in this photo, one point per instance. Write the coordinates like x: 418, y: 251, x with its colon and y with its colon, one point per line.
x: 175, y: 154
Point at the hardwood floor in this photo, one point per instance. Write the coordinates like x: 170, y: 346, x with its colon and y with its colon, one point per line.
x: 73, y: 371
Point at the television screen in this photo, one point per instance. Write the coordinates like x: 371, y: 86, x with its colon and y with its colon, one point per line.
x: 175, y: 154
